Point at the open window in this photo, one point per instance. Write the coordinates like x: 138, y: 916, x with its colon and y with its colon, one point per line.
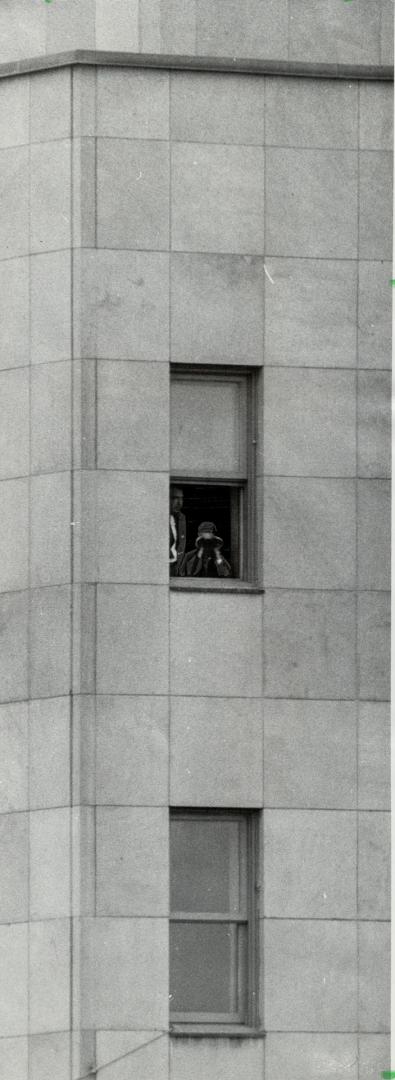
x: 212, y: 467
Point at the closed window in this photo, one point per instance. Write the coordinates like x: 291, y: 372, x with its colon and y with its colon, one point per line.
x: 212, y: 922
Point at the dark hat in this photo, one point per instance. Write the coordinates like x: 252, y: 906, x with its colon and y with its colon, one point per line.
x: 207, y: 531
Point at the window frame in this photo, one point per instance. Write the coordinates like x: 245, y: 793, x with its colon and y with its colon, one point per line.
x: 246, y: 485
x: 215, y: 1023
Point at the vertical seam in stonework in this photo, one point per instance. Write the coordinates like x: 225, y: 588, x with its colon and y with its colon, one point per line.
x: 95, y: 81
x: 357, y: 666
x: 139, y: 27
x: 28, y: 628
x: 169, y: 697
x: 73, y: 72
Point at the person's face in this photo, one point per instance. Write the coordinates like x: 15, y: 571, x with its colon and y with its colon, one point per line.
x: 176, y: 500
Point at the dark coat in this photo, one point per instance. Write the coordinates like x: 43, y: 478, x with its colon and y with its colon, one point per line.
x: 206, y: 566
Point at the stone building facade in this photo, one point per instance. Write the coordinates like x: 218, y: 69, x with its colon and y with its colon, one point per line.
x: 205, y: 185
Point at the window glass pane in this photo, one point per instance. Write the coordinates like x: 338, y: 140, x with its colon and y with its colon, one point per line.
x: 208, y: 426
x: 206, y: 871
x: 204, y: 965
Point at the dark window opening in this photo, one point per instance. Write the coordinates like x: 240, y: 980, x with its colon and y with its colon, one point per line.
x: 219, y: 505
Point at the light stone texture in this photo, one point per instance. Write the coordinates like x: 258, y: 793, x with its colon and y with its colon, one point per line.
x: 309, y: 533
x: 141, y: 391
x: 13, y: 534
x: 375, y: 201
x: 49, y: 1056
x: 14, y: 287
x: 374, y: 976
x: 374, y: 1055
x: 374, y: 842
x: 14, y: 423
x: 51, y: 417
x: 145, y: 1052
x: 132, y: 750
x: 216, y: 1059
x: 13, y: 980
x: 114, y: 948
x: 310, y: 975
x: 309, y: 860
x: 50, y: 849
x: 14, y: 112
x: 132, y: 104
x: 132, y: 628
x: 228, y: 29
x: 307, y: 1055
x: 387, y: 36
x: 84, y: 100
x: 311, y: 112
x: 50, y: 307
x: 376, y: 117
x: 50, y: 535
x: 374, y: 756
x: 374, y: 315
x: 328, y: 33
x: 50, y: 93
x: 120, y: 508
x: 215, y: 645
x: 311, y: 203
x: 374, y: 534
x: 208, y: 108
x: 50, y: 610
x: 309, y: 641
x: 14, y: 201
x: 13, y: 646
x: 13, y: 757
x: 49, y: 976
x: 374, y: 617
x: 310, y: 312
x: 310, y: 754
x: 215, y: 752
x: 132, y: 876
x: 309, y: 423
x: 49, y: 753
x: 121, y: 33
x: 50, y: 205
x: 70, y: 26
x: 217, y: 309
x: 374, y: 423
x: 177, y: 24
x: 125, y: 304
x: 132, y: 194
x: 14, y: 1058
x: 14, y: 841
x: 217, y: 198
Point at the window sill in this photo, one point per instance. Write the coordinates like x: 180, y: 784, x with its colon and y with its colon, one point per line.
x: 215, y: 1031
x: 227, y: 585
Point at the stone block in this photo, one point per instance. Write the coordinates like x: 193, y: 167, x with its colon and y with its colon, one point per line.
x: 14, y: 287
x: 13, y: 980
x: 50, y: 529
x: 309, y: 860
x: 376, y: 119
x: 13, y: 646
x: 113, y: 949
x: 13, y: 757
x: 50, y: 100
x: 309, y: 533
x: 374, y: 315
x: 121, y: 508
x: 307, y: 1055
x: 49, y: 1056
x: 50, y: 855
x: 22, y: 31
x: 49, y: 976
x: 227, y: 28
x: 14, y: 423
x: 84, y: 194
x: 374, y: 976
x: 14, y: 863
x: 309, y: 423
x: 215, y: 752
x: 133, y: 194
x: 120, y: 33
x: 374, y: 756
x: 318, y: 35
x: 125, y: 298
x: 216, y: 1059
x: 311, y: 203
x: 309, y: 640
x: 374, y: 621
x: 132, y: 750
x: 14, y: 1059
x: 51, y: 307
x: 13, y: 534
x: 177, y: 25
x: 217, y: 309
x: 375, y: 196
x: 374, y: 1055
x: 310, y: 312
x: 387, y: 32
x: 217, y: 198
x: 208, y: 108
x: 308, y: 112
x: 50, y: 196
x: 14, y: 201
x: 374, y: 865
x: 132, y: 629
x: 49, y: 753
x: 84, y: 100
x: 310, y: 754
x: 14, y: 111
x: 311, y: 975
x: 215, y: 645
x: 374, y: 534
x: 150, y: 1050
x: 374, y: 423
x: 132, y: 104
x: 141, y: 390
x: 51, y: 417
x: 132, y: 865
x: 50, y: 610
x: 70, y: 26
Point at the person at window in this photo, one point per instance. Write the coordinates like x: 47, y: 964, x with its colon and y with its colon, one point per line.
x: 206, y: 559
x: 178, y: 533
